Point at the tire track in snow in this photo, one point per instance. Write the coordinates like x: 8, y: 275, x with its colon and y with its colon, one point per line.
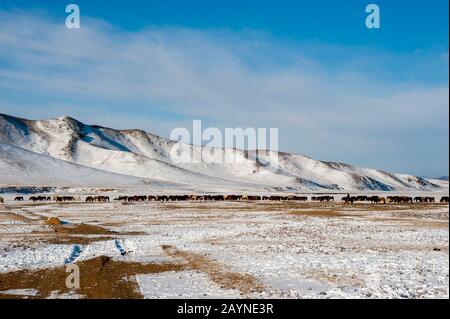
x: 78, y: 249
x: 119, y: 246
x: 76, y: 252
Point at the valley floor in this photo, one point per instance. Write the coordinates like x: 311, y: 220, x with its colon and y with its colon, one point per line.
x: 225, y: 250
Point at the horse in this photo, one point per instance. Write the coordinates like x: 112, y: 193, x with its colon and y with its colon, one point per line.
x: 348, y: 199
x: 325, y: 198
x: 38, y: 198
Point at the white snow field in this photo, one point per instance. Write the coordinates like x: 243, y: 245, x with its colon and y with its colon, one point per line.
x: 206, y: 249
x: 35, y: 151
x: 242, y: 249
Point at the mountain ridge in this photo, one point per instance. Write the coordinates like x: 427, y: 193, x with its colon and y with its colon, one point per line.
x: 144, y: 155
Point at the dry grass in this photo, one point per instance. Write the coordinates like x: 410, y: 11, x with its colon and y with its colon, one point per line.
x: 318, y: 213
x: 82, y: 229
x: 52, y: 221
x: 100, y: 278
x: 8, y: 216
x: 61, y: 233
x: 338, y: 279
x: 72, y: 240
x: 410, y: 222
x: 217, y: 272
x: 77, y: 234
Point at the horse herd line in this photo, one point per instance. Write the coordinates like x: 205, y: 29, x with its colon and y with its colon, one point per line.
x: 174, y: 198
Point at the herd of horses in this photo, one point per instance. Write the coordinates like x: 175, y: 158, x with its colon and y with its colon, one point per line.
x: 49, y: 198
x: 101, y: 199
x: 392, y: 199
x: 175, y: 198
x: 166, y: 198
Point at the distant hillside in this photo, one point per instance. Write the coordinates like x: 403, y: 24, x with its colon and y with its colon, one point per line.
x: 66, y: 151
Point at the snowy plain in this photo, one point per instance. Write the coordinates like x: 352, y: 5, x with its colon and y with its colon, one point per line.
x: 306, y: 250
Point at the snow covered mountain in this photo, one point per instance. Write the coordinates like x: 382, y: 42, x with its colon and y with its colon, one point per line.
x: 66, y: 152
x: 20, y: 167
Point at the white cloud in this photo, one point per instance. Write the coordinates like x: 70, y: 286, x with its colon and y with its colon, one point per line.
x: 334, y: 111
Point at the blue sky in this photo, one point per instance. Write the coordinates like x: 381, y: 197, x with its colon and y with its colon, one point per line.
x: 407, y: 25
x: 335, y: 89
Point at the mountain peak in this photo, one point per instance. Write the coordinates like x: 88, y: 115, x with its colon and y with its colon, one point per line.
x: 69, y: 119
x: 145, y: 155
x: 66, y: 118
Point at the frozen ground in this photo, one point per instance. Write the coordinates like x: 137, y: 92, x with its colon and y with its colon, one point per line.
x: 243, y: 249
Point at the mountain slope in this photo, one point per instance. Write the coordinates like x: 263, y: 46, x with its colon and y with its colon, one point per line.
x: 147, y: 156
x: 19, y: 167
